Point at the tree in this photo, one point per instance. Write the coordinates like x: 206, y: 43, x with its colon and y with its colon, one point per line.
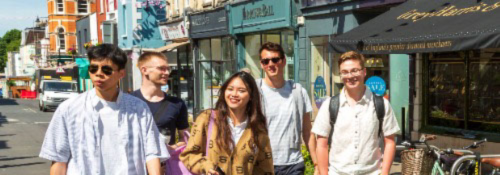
x: 8, y: 43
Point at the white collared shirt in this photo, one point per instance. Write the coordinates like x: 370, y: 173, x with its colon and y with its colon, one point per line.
x: 355, y: 142
x: 73, y: 135
x: 237, y: 131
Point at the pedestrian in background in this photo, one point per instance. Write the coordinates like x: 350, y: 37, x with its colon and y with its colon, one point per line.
x: 357, y: 126
x: 288, y: 111
x: 232, y: 138
x: 170, y: 113
x: 104, y: 131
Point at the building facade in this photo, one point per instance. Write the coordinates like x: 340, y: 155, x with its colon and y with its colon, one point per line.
x: 62, y: 17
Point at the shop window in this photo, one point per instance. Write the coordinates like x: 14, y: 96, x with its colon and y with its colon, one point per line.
x: 377, y: 66
x: 83, y: 6
x: 464, y: 92
x: 216, y: 62
x: 60, y: 6
x: 252, y: 46
x: 320, y: 72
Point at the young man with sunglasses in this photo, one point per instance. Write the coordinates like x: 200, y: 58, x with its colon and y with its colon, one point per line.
x: 354, y: 145
x: 170, y: 113
x: 287, y: 108
x: 104, y: 131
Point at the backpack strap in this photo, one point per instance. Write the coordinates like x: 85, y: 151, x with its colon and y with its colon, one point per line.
x: 334, y: 111
x: 297, y: 121
x: 380, y: 110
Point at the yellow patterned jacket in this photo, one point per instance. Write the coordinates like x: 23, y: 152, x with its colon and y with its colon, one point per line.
x: 245, y: 159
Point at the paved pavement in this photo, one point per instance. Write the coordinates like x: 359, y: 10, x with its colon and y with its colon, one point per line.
x: 22, y: 129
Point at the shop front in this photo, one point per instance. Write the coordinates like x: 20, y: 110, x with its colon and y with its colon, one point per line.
x: 324, y: 20
x: 180, y: 60
x: 214, y: 54
x: 256, y: 22
x: 456, y: 77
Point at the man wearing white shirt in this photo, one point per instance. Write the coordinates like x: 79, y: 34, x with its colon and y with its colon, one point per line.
x: 104, y: 131
x: 355, y: 140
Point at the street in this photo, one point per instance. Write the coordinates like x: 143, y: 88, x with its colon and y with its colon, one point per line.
x: 22, y: 129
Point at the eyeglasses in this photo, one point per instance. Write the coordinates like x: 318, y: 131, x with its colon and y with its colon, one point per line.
x: 274, y: 60
x: 161, y: 68
x: 107, y: 70
x: 353, y: 72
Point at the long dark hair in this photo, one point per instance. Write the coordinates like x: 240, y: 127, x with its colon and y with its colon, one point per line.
x: 257, y: 121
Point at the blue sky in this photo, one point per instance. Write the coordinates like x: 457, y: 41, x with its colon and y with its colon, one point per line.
x: 19, y: 14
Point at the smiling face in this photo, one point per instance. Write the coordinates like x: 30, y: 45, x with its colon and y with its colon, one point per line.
x: 236, y: 94
x: 272, y: 69
x: 107, y: 79
x: 156, y: 70
x: 353, y: 74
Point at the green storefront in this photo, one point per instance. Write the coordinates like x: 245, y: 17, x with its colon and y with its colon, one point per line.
x: 253, y: 23
x: 324, y: 21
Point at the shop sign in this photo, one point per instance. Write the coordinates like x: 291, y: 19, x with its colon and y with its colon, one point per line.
x: 173, y: 31
x: 319, y: 91
x: 263, y: 11
x: 377, y: 85
x: 209, y: 24
x: 261, y: 15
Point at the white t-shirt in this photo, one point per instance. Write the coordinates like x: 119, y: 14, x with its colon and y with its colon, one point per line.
x: 112, y: 154
x: 237, y: 131
x: 355, y: 142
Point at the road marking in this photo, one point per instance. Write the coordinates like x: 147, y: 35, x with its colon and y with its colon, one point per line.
x: 38, y: 123
x: 29, y: 109
x: 8, y: 120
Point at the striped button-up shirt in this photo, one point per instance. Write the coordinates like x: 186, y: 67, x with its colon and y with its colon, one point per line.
x: 73, y: 135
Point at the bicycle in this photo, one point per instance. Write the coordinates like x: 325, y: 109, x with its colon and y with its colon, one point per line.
x: 475, y: 163
x: 441, y: 159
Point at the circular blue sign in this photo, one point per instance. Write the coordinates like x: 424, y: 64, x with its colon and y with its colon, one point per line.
x: 376, y: 85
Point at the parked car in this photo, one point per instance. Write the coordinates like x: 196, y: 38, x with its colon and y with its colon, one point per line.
x: 54, y: 92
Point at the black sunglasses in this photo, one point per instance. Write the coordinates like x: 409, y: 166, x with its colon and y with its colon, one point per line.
x: 266, y: 61
x: 107, y: 70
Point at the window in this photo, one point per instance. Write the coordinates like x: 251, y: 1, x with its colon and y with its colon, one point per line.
x: 464, y: 92
x: 60, y: 5
x: 62, y: 39
x: 216, y: 65
x: 82, y: 6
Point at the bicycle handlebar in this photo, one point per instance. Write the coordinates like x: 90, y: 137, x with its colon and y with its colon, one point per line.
x: 475, y: 144
x: 468, y: 157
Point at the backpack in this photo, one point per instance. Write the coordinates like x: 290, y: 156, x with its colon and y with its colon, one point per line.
x: 334, y: 111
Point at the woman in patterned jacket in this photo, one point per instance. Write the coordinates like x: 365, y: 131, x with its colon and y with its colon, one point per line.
x: 239, y: 142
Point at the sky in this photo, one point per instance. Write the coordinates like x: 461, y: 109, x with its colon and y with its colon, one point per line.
x: 20, y: 14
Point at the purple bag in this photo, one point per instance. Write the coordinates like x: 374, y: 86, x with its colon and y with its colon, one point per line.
x: 174, y: 165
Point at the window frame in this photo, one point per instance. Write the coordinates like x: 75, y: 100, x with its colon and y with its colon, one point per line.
x: 59, y: 6
x: 63, y: 38
x: 79, y: 6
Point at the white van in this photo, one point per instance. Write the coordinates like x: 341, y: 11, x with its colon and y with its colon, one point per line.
x: 54, y: 92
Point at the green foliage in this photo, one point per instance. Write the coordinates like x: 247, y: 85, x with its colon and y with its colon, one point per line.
x: 9, y: 42
x: 307, y: 161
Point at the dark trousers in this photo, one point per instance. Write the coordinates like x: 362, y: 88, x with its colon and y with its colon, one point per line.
x: 295, y: 169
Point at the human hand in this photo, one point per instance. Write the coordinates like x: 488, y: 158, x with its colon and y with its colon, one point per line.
x: 212, y: 172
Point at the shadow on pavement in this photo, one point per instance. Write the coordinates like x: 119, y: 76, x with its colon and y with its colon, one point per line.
x: 6, y: 101
x: 17, y: 158
x: 18, y: 165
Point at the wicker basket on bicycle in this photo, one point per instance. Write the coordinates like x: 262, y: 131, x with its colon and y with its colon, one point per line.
x: 417, y: 162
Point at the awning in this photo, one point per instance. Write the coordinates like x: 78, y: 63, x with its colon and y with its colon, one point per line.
x: 418, y: 26
x: 171, y: 46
